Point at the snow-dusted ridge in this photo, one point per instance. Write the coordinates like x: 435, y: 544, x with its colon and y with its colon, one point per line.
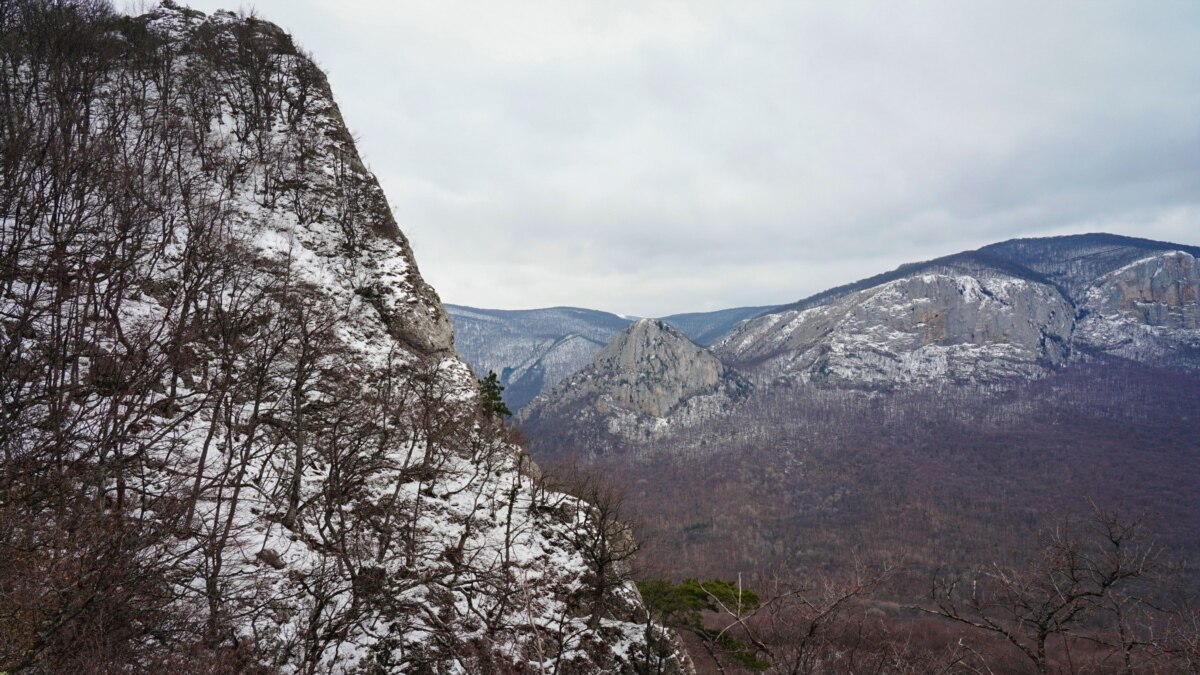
x: 1013, y: 310
x: 1003, y: 315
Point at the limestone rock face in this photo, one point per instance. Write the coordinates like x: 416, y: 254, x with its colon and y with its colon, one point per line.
x: 1148, y: 309
x: 1010, y: 310
x: 651, y: 367
x: 648, y: 373
x: 930, y: 325
x: 1163, y: 290
x: 257, y: 385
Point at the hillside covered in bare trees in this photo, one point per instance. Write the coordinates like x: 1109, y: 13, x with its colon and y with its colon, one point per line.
x: 234, y: 434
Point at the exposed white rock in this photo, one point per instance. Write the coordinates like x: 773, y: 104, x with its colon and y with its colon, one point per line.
x: 1148, y: 309
x: 303, y: 446
x: 918, y: 328
x: 647, y: 373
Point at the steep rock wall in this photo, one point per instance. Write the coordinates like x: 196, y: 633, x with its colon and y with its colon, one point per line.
x: 926, y: 326
x: 234, y: 435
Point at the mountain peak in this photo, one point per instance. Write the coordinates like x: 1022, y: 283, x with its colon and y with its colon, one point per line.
x: 652, y: 367
x: 648, y: 372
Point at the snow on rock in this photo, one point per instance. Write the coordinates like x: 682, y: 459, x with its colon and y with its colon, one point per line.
x: 1146, y: 310
x: 649, y: 378
x: 916, y: 328
x: 280, y: 387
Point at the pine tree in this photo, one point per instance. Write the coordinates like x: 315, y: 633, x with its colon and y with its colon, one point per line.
x: 491, y: 397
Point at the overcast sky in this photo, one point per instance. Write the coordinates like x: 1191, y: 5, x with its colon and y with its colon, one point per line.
x: 650, y: 158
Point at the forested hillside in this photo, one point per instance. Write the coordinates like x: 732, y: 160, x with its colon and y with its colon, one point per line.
x: 869, y: 453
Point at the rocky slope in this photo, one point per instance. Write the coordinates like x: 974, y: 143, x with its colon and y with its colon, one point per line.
x: 957, y: 320
x: 532, y: 350
x: 1014, y: 309
x: 646, y: 374
x: 235, y: 436
x: 1005, y: 314
x: 1147, y: 310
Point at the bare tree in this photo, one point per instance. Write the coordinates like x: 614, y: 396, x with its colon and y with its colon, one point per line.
x: 1075, y: 578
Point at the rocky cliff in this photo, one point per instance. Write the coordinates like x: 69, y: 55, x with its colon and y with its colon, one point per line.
x: 531, y: 350
x: 648, y: 373
x: 1015, y: 309
x: 1147, y: 310
x: 955, y: 323
x: 998, y: 317
x: 234, y: 435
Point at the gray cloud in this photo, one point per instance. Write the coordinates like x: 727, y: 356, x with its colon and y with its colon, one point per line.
x: 658, y: 157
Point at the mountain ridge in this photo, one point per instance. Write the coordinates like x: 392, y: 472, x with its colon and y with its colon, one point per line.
x: 979, y: 317
x: 531, y: 350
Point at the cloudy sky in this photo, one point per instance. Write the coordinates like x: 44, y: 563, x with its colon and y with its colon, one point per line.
x: 649, y: 158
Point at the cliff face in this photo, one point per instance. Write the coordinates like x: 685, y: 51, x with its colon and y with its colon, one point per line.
x: 999, y: 317
x: 234, y: 434
x: 1146, y: 310
x: 1161, y: 291
x: 1011, y: 310
x: 651, y: 367
x: 932, y: 325
x: 648, y: 373
x: 1075, y: 262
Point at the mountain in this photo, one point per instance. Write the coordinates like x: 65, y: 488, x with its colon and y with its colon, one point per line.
x: 647, y: 372
x: 938, y: 414
x: 1015, y: 309
x: 234, y: 434
x: 532, y: 350
x: 1077, y: 261
x: 1007, y: 313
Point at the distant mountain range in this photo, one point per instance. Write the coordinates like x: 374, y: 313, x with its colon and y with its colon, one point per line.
x: 1012, y: 309
x: 924, y: 409
x: 532, y: 350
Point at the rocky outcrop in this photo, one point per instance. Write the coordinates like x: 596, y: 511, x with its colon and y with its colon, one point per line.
x: 1161, y: 291
x: 929, y: 326
x: 1000, y: 316
x: 1076, y: 262
x: 1012, y: 310
x: 1146, y: 310
x: 648, y: 373
x: 262, y: 451
x: 651, y: 367
x: 531, y: 350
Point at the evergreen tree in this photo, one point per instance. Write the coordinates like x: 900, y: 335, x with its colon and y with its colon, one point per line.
x: 491, y: 397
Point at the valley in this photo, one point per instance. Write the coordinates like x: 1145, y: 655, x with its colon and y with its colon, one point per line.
x: 929, y: 421
x: 241, y: 432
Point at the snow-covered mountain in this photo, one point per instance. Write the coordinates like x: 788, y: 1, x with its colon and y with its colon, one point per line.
x: 234, y: 433
x: 1011, y: 312
x: 959, y: 319
x: 1013, y: 309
